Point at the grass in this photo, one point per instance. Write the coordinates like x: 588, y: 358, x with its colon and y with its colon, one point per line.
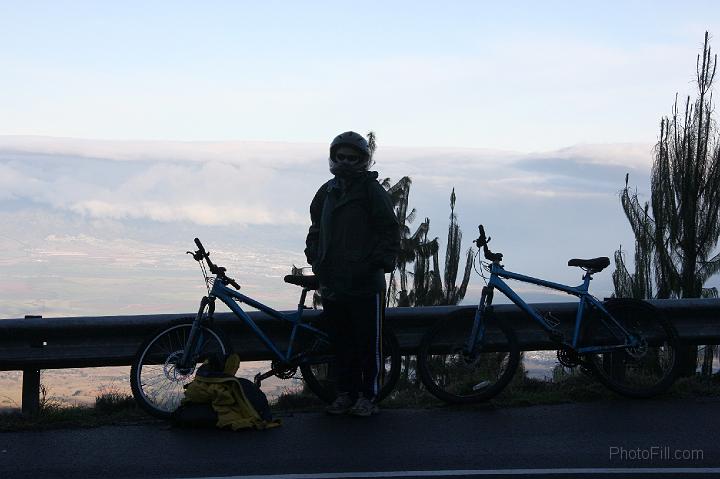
x: 522, y: 391
x: 532, y: 392
x: 566, y: 387
x: 113, y: 407
x: 296, y: 400
x: 696, y: 387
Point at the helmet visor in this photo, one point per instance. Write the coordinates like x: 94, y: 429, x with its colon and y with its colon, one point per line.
x: 349, y: 159
x: 348, y: 164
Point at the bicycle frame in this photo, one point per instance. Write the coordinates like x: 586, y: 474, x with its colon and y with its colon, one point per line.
x: 232, y: 298
x: 497, y: 271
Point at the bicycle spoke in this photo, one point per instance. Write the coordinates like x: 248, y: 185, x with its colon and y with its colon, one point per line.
x: 160, y: 378
x: 204, y: 347
x: 156, y: 381
x: 456, y: 375
x: 648, y: 366
x: 177, y: 335
x: 170, y: 348
x: 320, y: 374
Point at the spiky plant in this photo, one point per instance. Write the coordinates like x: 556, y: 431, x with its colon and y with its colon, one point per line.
x: 678, y: 235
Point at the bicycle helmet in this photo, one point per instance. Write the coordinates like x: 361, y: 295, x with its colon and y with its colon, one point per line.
x: 345, y: 164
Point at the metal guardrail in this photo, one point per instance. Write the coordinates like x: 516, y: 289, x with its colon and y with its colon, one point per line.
x: 35, y: 343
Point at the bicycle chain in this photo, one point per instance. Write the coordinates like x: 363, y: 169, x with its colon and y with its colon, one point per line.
x: 283, y: 371
x: 568, y: 357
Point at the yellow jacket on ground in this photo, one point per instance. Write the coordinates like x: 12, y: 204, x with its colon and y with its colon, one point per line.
x: 228, y: 399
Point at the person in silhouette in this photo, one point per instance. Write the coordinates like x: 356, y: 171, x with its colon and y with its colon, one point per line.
x: 352, y: 242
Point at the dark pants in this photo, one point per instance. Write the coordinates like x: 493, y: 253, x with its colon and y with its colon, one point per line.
x: 355, y: 327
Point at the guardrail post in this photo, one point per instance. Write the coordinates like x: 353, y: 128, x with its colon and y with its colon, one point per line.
x: 31, y: 386
x: 31, y: 391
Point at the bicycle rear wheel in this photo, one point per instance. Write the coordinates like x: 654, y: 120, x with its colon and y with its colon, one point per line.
x: 645, y: 370
x: 452, y: 375
x: 321, y: 379
x: 155, y: 378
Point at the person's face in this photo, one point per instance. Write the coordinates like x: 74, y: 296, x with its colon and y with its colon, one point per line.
x: 347, y: 154
x: 348, y: 162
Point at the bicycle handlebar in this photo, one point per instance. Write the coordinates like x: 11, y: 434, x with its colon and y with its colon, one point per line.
x: 482, y: 242
x: 200, y: 246
x: 201, y: 254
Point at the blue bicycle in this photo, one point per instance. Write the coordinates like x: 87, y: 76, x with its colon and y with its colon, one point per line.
x: 628, y: 345
x: 167, y: 360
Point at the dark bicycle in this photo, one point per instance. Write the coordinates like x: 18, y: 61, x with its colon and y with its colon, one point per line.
x: 627, y: 344
x: 167, y: 361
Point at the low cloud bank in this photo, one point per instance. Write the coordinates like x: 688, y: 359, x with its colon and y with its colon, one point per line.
x: 251, y: 183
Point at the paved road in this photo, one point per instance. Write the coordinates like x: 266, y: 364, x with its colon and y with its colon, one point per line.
x: 568, y: 440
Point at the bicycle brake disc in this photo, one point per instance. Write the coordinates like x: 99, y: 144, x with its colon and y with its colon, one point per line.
x: 638, y: 351
x: 171, y: 369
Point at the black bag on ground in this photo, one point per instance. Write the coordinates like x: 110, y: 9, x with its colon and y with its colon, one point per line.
x: 257, y: 398
x: 219, y: 369
x: 194, y: 415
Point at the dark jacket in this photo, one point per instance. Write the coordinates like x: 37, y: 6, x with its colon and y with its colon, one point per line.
x: 354, y: 237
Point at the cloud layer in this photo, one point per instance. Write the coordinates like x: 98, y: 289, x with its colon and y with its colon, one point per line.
x: 250, y: 183
x: 98, y: 227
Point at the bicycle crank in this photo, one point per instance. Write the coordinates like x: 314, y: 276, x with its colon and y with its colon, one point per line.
x: 568, y: 357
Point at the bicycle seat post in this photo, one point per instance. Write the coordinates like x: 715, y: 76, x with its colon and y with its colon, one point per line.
x: 303, y: 296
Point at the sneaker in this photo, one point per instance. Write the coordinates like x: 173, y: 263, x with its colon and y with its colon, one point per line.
x: 342, y: 404
x: 364, y: 407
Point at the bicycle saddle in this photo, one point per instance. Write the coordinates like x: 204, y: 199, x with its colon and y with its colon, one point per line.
x: 595, y: 264
x: 309, y: 282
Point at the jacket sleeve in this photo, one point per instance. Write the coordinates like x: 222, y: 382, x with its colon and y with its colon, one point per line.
x: 312, y: 241
x: 387, y: 228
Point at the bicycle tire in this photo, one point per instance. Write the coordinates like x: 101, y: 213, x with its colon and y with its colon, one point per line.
x: 160, y: 350
x: 319, y: 377
x: 453, y: 377
x: 630, y: 372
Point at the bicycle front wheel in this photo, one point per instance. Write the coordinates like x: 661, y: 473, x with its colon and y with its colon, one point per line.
x: 321, y: 377
x: 156, y: 380
x: 648, y: 368
x: 456, y: 377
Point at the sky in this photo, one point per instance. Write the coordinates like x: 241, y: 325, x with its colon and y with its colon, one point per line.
x: 129, y: 128
x: 529, y: 76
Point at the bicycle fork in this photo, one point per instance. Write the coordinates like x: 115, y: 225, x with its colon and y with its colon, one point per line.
x: 478, y: 330
x: 195, y: 338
